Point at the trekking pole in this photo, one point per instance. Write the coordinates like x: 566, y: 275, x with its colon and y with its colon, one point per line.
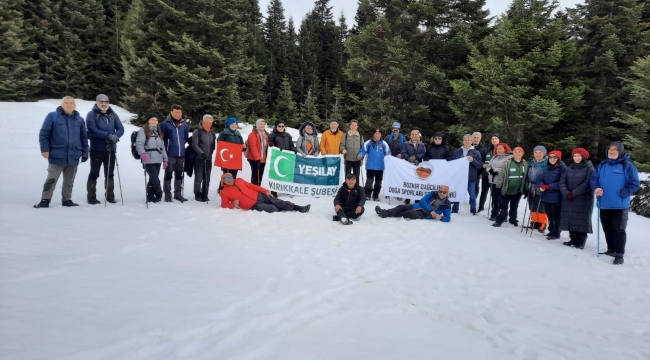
x: 539, y: 202
x: 106, y: 179
x: 183, y: 181
x: 205, y: 182
x: 119, y: 181
x: 523, y: 223
x: 146, y: 200
x: 489, y: 209
x: 598, y: 203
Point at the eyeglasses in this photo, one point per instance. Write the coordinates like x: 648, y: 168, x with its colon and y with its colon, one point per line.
x: 103, y: 102
x: 552, y: 157
x: 280, y: 126
x: 228, y: 178
x: 437, y: 138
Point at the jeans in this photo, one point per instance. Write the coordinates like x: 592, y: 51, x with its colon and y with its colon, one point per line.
x: 471, y: 188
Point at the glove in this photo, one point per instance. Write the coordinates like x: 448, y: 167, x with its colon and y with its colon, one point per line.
x: 113, y: 138
x: 416, y: 162
x: 412, y: 158
x: 144, y: 157
x: 492, y: 172
x: 545, y: 187
x: 360, y: 157
x: 570, y: 196
x: 204, y: 156
x: 304, y: 155
x: 165, y: 163
x: 84, y: 158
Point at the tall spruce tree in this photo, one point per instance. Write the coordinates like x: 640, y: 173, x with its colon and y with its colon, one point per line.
x: 18, y: 69
x: 285, y: 108
x: 275, y: 43
x: 190, y: 54
x: 308, y: 110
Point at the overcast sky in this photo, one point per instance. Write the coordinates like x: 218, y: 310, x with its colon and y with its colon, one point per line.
x: 298, y: 8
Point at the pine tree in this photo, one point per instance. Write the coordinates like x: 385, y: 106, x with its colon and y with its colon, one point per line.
x: 286, y: 108
x: 18, y: 69
x: 366, y: 13
x: 201, y: 65
x: 275, y: 42
x: 308, y: 111
x: 293, y: 67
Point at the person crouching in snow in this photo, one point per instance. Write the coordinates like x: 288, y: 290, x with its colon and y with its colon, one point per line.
x: 349, y: 201
x: 434, y: 205
x: 238, y: 193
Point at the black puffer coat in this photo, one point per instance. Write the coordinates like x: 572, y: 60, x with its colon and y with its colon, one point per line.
x: 281, y: 140
x: 438, y: 152
x: 576, y: 213
x: 349, y: 199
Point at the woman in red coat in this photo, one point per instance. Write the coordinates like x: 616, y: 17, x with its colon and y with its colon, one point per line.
x: 258, y: 143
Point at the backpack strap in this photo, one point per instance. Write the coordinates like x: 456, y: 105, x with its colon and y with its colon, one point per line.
x: 55, y: 115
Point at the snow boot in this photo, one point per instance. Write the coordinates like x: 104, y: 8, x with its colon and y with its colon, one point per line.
x: 497, y: 223
x: 110, y: 194
x: 199, y: 197
x: 69, y: 203
x: 552, y: 237
x: 43, y: 204
x: 571, y: 242
x: 611, y: 253
x: 375, y: 199
x: 378, y: 210
x: 580, y: 242
x: 91, y: 188
x: 346, y: 221
x: 180, y: 198
x: 304, y: 209
x: 618, y: 259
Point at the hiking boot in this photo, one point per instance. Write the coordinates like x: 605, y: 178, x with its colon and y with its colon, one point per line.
x: 168, y: 198
x: 375, y: 199
x: 110, y: 194
x: 479, y: 210
x: 492, y: 218
x: 335, y: 218
x: 497, y: 223
x: 43, y: 204
x: 378, y: 210
x: 304, y: 209
x: 111, y: 200
x: 91, y: 188
x: 474, y: 213
x: 180, y: 198
x: 618, y: 259
x: 94, y: 202
x: 515, y: 223
x: 611, y: 253
x: 571, y: 242
x: 69, y: 203
x: 199, y: 197
x: 346, y: 221
x: 552, y: 237
x: 580, y: 242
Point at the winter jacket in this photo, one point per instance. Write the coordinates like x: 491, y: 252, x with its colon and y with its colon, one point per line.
x: 100, y: 125
x: 352, y: 144
x: 395, y: 146
x: 203, y: 142
x: 483, y: 151
x: 409, y: 150
x: 230, y: 136
x: 534, y: 177
x: 255, y: 146
x: 65, y: 139
x: 376, y: 150
x: 349, y: 199
x: 438, y: 152
x: 427, y: 203
x: 301, y: 144
x: 330, y: 143
x: 496, y: 164
x: 489, y: 154
x: 551, y: 177
x: 576, y: 213
x: 503, y: 178
x: 243, y: 191
x: 619, y: 179
x: 474, y: 165
x: 176, y: 135
x: 281, y: 140
x: 153, y: 146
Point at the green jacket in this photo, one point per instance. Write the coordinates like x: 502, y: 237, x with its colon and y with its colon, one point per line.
x: 504, y: 175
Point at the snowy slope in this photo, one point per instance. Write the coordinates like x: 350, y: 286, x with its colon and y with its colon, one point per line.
x: 193, y: 281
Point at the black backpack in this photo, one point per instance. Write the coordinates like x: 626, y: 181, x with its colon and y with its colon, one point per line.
x: 190, y: 155
x: 134, y: 151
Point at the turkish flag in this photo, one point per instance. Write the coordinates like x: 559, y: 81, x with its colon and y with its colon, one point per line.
x: 229, y: 155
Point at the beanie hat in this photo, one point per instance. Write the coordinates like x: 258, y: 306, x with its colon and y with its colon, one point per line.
x: 150, y: 115
x: 101, y: 97
x: 278, y: 122
x: 438, y: 134
x: 443, y: 188
x: 557, y: 153
x: 581, y: 151
x: 520, y: 148
x: 619, y: 146
x: 231, y: 120
x: 397, y: 125
x: 541, y: 148
x: 223, y: 178
x: 505, y: 146
x: 497, y: 136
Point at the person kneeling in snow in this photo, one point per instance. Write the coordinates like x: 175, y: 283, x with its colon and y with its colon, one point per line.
x: 349, y: 201
x: 238, y: 193
x: 434, y: 205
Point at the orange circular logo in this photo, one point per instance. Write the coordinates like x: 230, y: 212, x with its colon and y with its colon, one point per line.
x: 423, y: 171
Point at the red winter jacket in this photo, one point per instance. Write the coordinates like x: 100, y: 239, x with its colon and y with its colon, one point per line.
x: 254, y: 146
x: 243, y: 191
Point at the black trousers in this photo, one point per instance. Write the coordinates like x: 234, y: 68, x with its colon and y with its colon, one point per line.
x: 265, y: 203
x: 511, y: 201
x: 535, y: 203
x: 257, y: 170
x: 233, y: 172
x: 485, y: 188
x: 175, y: 170
x: 375, y: 177
x: 153, y: 185
x: 553, y: 211
x: 495, y: 193
x: 99, y: 158
x: 406, y: 211
x: 353, y: 167
x: 350, y: 213
x: 614, y: 223
x: 202, y: 174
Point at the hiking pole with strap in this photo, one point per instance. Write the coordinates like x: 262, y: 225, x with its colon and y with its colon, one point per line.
x: 539, y: 202
x: 523, y: 223
x: 598, y: 224
x: 119, y: 181
x: 106, y: 179
x: 183, y: 181
x: 205, y: 181
x: 489, y: 209
x: 146, y: 195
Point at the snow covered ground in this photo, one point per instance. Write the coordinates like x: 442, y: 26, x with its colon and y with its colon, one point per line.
x: 193, y: 281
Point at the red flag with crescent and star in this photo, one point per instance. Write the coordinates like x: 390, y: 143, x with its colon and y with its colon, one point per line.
x: 229, y: 155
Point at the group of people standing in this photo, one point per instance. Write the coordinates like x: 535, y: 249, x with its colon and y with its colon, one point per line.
x: 558, y: 196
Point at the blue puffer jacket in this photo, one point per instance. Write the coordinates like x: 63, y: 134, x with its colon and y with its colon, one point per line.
x: 66, y: 139
x: 619, y: 179
x: 551, y: 177
x: 474, y: 165
x: 430, y: 198
x: 101, y: 125
x: 409, y: 150
x: 175, y: 136
x: 376, y: 150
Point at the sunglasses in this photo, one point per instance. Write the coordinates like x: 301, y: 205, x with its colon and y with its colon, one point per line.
x: 442, y: 192
x: 436, y: 138
x: 552, y: 157
x: 228, y: 178
x: 280, y: 126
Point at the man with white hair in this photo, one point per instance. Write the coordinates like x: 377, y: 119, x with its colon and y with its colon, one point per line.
x: 63, y: 141
x: 203, y: 143
x: 104, y: 131
x: 478, y: 146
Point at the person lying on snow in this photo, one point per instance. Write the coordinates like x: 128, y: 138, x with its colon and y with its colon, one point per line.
x: 349, y: 201
x: 434, y: 205
x: 240, y: 194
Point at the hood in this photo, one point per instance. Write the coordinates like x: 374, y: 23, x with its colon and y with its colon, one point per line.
x: 97, y: 110
x: 302, y: 128
x: 619, y: 146
x: 625, y: 157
